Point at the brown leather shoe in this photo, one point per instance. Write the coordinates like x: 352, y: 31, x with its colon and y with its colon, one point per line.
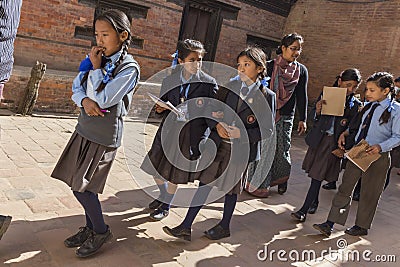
x: 323, y: 228
x: 261, y: 193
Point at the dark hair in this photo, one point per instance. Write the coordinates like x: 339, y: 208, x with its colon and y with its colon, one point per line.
x: 348, y: 75
x: 188, y: 46
x: 383, y: 80
x: 397, y: 79
x: 288, y: 40
x: 258, y: 56
x: 120, y: 22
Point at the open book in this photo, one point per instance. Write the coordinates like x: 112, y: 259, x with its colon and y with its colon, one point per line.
x: 166, y: 105
x: 359, y: 156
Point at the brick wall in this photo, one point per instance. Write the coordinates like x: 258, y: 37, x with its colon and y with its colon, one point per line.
x: 54, y: 92
x: 46, y: 33
x: 251, y: 21
x: 343, y: 35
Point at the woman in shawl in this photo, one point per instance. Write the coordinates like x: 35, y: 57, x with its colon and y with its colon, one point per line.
x: 289, y: 82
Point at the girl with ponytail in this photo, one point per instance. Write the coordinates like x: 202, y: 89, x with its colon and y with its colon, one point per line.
x: 103, y: 90
x: 380, y: 127
x: 320, y: 163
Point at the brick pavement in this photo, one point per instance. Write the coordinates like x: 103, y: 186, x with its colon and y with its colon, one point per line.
x: 45, y: 212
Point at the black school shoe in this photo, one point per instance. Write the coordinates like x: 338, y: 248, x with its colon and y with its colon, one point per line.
x: 356, y: 231
x: 217, y: 232
x: 329, y: 186
x: 282, y: 188
x: 4, y: 223
x: 93, y: 243
x: 298, y: 216
x: 313, y: 208
x: 159, y: 214
x: 324, y: 228
x: 155, y: 204
x: 179, y: 232
x: 79, y: 238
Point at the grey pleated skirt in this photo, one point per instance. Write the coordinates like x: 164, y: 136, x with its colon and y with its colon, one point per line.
x: 84, y: 165
x: 224, y: 173
x: 320, y: 163
x: 157, y: 164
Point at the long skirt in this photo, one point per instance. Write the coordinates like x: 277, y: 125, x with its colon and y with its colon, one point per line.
x: 281, y: 166
x: 259, y: 169
x: 84, y: 165
x: 224, y: 172
x: 320, y: 163
x: 171, y: 167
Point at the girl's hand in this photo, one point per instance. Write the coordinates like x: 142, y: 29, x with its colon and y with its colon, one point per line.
x: 91, y: 107
x: 159, y: 109
x: 234, y: 132
x: 222, y: 130
x: 302, y: 127
x: 375, y: 149
x: 95, y: 56
x: 318, y: 106
x: 217, y: 114
x: 342, y: 140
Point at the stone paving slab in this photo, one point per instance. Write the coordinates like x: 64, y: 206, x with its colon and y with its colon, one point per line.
x: 45, y: 212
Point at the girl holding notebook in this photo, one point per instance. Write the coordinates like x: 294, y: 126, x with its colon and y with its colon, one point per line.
x: 319, y: 162
x: 379, y: 125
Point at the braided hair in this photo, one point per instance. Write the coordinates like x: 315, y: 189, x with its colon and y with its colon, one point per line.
x: 120, y: 22
x: 258, y: 56
x: 384, y: 80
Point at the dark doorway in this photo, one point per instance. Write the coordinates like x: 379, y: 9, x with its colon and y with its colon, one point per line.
x: 268, y: 46
x: 202, y: 21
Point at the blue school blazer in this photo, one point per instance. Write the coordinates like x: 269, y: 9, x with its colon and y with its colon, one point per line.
x: 202, y: 88
x: 322, y: 123
x: 247, y: 114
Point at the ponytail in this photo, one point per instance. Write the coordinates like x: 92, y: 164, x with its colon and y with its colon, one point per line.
x: 384, y: 80
x: 386, y: 114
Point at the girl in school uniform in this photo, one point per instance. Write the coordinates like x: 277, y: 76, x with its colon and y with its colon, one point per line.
x: 394, y: 154
x: 379, y: 124
x: 103, y: 90
x: 244, y: 99
x: 319, y: 162
x: 187, y: 82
